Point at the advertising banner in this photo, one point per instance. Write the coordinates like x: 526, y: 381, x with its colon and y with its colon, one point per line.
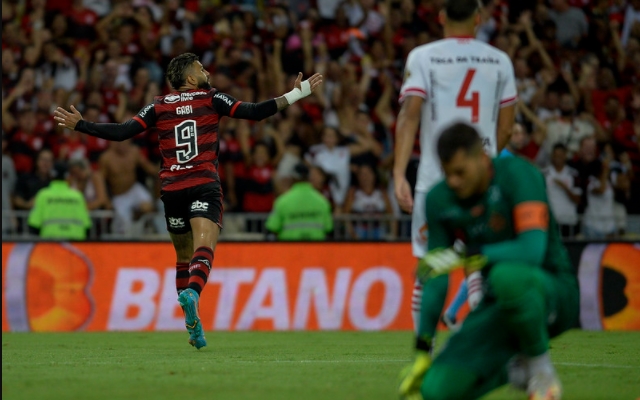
x: 258, y: 286
x: 609, y: 276
x: 264, y: 286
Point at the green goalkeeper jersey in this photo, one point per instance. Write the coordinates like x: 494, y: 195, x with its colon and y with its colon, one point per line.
x: 511, y: 221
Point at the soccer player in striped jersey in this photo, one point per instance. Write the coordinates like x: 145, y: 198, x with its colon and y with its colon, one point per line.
x: 186, y: 121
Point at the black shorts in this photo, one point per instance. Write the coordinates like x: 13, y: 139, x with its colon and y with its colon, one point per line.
x: 180, y: 206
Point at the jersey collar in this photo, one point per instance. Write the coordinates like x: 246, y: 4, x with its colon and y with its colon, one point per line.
x: 461, y: 37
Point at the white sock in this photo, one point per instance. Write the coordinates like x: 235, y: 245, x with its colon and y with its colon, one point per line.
x: 416, y: 303
x: 474, y: 289
x: 540, y: 364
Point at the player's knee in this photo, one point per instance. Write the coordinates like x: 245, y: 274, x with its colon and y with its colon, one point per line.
x: 443, y: 392
x: 438, y: 393
x: 509, y: 281
x: 437, y: 384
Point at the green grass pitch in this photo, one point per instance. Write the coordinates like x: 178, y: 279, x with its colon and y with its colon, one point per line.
x: 274, y: 365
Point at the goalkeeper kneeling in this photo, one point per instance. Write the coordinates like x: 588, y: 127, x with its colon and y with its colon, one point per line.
x: 492, y: 216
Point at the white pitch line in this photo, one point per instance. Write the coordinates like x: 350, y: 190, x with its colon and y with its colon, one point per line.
x: 120, y: 361
x: 317, y: 361
x: 569, y: 364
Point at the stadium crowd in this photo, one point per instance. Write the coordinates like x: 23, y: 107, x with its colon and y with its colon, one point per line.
x: 577, y: 64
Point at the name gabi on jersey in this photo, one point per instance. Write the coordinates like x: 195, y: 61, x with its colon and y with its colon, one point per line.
x: 183, y: 110
x: 462, y: 59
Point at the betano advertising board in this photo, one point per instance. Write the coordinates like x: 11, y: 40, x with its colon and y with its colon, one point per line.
x: 263, y: 286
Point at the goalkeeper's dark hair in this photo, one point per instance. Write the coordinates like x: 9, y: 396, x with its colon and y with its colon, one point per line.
x: 459, y: 136
x: 461, y: 10
x: 178, y: 67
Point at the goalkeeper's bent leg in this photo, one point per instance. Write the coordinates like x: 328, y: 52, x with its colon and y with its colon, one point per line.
x: 434, y: 293
x: 520, y: 293
x: 444, y: 382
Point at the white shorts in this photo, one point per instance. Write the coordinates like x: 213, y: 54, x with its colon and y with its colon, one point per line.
x: 419, y: 232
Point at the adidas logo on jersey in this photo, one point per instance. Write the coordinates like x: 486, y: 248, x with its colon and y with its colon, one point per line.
x: 172, y: 98
x: 199, y: 206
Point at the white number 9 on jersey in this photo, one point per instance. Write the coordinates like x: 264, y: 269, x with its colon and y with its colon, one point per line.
x: 186, y: 135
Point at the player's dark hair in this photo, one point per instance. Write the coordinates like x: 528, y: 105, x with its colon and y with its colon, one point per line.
x: 459, y: 136
x: 460, y: 10
x: 178, y: 67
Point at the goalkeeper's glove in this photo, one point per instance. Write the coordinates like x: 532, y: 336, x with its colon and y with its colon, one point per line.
x: 441, y: 261
x: 412, y: 375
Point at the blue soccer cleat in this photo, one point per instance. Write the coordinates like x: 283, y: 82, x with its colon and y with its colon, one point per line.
x: 188, y: 300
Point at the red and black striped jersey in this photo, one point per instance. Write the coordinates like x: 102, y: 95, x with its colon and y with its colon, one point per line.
x: 187, y: 128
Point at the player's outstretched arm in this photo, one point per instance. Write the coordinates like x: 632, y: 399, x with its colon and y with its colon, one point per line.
x: 231, y: 107
x: 116, y: 132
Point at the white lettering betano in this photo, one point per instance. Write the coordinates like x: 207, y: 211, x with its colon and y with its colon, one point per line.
x: 336, y: 304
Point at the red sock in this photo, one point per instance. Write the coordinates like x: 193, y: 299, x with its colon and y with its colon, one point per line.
x: 182, y: 276
x: 199, y: 268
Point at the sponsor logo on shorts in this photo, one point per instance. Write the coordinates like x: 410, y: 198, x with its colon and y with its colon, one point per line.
x: 172, y: 98
x: 176, y: 222
x: 199, y: 206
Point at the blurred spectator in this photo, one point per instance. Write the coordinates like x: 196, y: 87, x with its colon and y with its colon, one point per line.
x: 130, y: 198
x: 301, y: 213
x: 320, y: 182
x: 60, y: 212
x: 586, y: 164
x: 599, y: 217
x: 29, y: 184
x: 563, y: 193
x: 571, y: 23
x: 58, y: 68
x: 367, y: 199
x: 517, y: 141
x: 90, y: 183
x: 8, y: 184
x: 631, y: 20
x: 259, y: 176
x: 620, y: 177
x: 335, y: 159
x: 568, y: 129
x: 26, y: 141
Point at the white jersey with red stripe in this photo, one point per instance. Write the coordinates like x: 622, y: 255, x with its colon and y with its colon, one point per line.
x: 461, y: 80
